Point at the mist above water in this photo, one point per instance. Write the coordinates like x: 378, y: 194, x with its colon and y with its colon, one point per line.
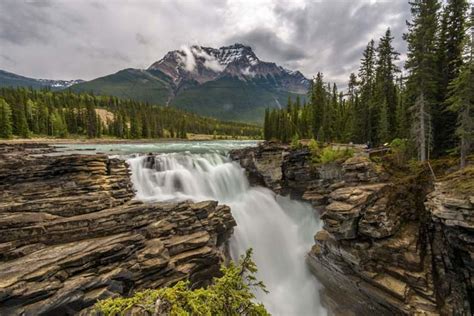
x: 278, y: 229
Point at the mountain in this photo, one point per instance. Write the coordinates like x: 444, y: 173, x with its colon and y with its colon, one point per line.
x: 229, y: 83
x: 8, y: 79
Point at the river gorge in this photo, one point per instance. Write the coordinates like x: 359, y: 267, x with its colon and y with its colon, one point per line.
x: 87, y: 222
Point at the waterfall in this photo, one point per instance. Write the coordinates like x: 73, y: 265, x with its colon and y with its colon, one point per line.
x: 278, y: 229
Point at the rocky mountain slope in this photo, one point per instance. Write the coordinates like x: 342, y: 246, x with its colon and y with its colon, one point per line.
x: 387, y: 247
x: 8, y: 79
x: 228, y: 83
x: 71, y: 234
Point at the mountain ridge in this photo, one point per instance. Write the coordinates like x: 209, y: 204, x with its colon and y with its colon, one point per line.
x: 228, y: 83
x: 205, y: 64
x: 10, y: 79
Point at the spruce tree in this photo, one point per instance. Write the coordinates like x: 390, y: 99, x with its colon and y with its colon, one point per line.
x: 266, y: 125
x: 383, y: 129
x: 452, y: 35
x: 421, y: 61
x: 5, y: 119
x: 402, y: 114
x: 364, y: 114
x: 20, y: 123
x: 386, y: 94
x: 461, y: 98
x: 461, y: 102
x: 318, y: 103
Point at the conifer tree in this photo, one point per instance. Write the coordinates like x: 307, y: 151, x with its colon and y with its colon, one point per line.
x: 421, y: 61
x: 386, y: 93
x: 364, y: 114
x: 5, y: 119
x: 318, y: 103
x: 462, y: 103
x: 329, y: 124
x: 295, y: 117
x: 402, y: 113
x: 452, y: 35
x: 461, y: 98
x: 266, y: 125
x: 383, y: 129
x: 20, y: 123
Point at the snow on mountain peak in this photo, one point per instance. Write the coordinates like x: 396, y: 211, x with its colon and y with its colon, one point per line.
x: 202, y: 64
x: 188, y: 57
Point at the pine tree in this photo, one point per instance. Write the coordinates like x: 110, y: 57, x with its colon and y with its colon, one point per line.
x: 386, y: 94
x: 318, y: 103
x: 43, y: 119
x: 58, y: 125
x: 266, y: 125
x: 421, y: 61
x: 5, y: 119
x: 295, y: 117
x: 364, y: 114
x: 462, y: 103
x: 91, y: 121
x: 452, y: 35
x: 20, y: 123
x: 356, y: 121
x: 383, y: 129
x: 402, y: 113
x: 32, y: 116
x: 329, y: 124
x: 461, y: 98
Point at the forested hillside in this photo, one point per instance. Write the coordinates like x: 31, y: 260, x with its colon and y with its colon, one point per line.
x: 27, y: 112
x: 229, y: 83
x: 430, y: 106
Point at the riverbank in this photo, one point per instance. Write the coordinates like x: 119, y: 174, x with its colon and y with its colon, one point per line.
x: 59, y: 141
x: 390, y: 244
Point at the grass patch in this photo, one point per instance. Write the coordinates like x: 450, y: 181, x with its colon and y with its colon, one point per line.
x: 328, y: 154
x: 461, y: 181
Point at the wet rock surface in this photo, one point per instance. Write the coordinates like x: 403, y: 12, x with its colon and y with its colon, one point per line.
x: 387, y: 247
x: 71, y: 233
x: 263, y: 165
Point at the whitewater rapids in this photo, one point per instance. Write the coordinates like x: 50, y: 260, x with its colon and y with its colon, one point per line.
x: 279, y: 230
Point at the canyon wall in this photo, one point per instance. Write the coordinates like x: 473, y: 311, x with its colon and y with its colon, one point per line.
x: 72, y: 234
x: 389, y: 246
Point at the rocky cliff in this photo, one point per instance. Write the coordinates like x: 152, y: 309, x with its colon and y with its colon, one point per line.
x: 388, y: 246
x: 72, y: 234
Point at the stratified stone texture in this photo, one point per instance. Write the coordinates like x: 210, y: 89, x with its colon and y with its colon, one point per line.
x: 71, y: 234
x: 387, y: 247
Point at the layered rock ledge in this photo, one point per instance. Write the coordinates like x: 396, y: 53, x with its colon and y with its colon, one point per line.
x: 387, y: 247
x: 72, y: 234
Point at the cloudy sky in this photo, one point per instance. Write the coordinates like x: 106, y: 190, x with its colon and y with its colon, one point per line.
x: 70, y: 39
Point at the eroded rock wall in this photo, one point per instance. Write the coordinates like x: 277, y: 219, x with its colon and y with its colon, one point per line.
x: 71, y: 234
x: 382, y: 250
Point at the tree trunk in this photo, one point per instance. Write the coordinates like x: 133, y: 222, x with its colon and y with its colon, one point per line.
x: 422, y: 136
x: 465, y: 142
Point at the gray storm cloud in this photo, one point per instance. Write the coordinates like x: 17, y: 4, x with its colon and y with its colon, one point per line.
x: 87, y: 39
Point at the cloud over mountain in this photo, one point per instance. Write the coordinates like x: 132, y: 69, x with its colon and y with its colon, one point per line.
x: 86, y: 39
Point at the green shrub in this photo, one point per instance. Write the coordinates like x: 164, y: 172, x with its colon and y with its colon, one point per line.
x: 313, y: 145
x: 399, y: 150
x: 230, y: 295
x: 329, y: 154
x: 295, y: 142
x: 324, y: 155
x: 315, y: 150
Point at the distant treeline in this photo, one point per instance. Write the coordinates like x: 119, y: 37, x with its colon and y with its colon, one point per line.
x: 27, y: 112
x: 431, y: 106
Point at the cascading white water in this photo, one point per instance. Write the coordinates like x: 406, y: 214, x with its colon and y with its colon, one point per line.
x: 278, y: 229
